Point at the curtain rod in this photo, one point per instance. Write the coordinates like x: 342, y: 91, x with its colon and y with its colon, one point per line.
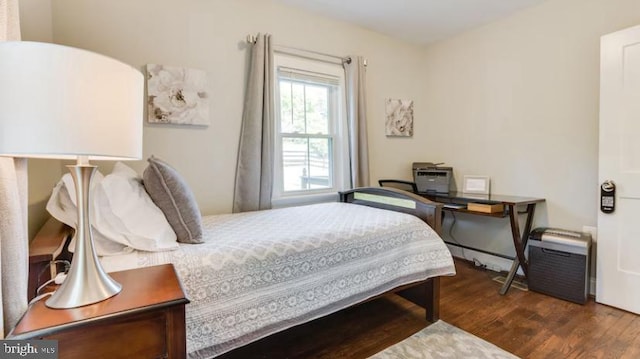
x: 293, y: 50
x: 296, y: 51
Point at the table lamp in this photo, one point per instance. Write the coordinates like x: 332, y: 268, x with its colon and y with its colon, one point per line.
x: 66, y: 103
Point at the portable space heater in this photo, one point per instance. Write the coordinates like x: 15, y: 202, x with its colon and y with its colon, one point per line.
x: 559, y: 263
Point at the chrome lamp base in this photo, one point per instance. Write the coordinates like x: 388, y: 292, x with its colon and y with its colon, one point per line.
x: 86, y: 282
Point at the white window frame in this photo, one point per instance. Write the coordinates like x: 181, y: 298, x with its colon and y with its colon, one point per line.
x: 337, y: 128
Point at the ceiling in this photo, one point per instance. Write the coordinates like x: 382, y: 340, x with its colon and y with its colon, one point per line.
x: 416, y: 21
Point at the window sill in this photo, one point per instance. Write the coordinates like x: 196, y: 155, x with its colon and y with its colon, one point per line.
x: 292, y: 201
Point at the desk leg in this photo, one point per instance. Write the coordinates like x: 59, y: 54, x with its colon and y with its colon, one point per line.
x: 519, y: 242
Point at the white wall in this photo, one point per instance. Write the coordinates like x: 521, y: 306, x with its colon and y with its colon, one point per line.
x: 518, y: 100
x: 211, y: 35
x: 35, y: 20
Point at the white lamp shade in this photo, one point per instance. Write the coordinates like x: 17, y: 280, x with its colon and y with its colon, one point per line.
x: 62, y: 102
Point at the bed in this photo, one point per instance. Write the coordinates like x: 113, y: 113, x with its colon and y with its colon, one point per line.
x: 262, y: 272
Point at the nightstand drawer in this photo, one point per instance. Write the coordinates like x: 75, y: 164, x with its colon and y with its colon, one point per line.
x: 132, y: 337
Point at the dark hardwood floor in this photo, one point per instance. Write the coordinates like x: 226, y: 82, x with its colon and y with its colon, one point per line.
x: 527, y: 324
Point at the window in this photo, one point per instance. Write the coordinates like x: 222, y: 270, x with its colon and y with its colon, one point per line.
x: 310, y: 146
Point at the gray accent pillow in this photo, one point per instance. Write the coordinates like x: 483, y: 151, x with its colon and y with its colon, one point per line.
x: 170, y: 193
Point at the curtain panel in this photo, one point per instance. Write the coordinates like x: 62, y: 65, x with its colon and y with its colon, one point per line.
x: 14, y: 244
x: 355, y: 74
x: 254, y: 172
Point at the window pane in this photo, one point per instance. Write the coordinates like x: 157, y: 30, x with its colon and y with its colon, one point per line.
x: 317, y: 109
x: 306, y: 163
x: 320, y: 163
x: 304, y: 107
x: 292, y: 108
x: 298, y: 124
x: 294, y: 163
x: 285, y: 104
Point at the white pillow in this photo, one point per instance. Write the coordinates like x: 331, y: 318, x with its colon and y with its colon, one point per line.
x: 122, y: 213
x: 134, y: 218
x: 62, y: 206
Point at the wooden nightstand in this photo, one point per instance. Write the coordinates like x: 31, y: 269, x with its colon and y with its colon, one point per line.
x: 48, y: 245
x: 145, y: 320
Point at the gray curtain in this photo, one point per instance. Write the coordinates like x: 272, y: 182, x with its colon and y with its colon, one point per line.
x: 254, y: 172
x: 14, y: 244
x: 355, y: 73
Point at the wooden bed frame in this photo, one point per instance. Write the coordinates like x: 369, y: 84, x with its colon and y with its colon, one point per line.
x: 52, y: 240
x: 426, y: 294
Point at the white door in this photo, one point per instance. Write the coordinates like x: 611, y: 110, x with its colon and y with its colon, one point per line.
x: 618, y: 259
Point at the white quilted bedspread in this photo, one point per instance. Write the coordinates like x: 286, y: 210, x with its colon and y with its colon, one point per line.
x: 262, y: 272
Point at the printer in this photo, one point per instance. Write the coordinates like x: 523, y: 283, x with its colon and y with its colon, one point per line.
x: 430, y: 177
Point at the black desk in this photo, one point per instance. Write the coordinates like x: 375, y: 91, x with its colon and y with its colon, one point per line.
x: 510, y: 204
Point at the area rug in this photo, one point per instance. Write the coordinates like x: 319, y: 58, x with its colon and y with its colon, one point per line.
x: 442, y: 340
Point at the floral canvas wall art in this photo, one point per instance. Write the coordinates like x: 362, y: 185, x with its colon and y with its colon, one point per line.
x: 399, y: 117
x: 177, y: 95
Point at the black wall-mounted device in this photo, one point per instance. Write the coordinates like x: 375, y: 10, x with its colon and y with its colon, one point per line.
x: 608, y: 196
